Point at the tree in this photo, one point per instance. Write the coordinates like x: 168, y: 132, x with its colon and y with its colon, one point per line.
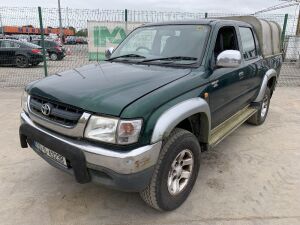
x: 73, y: 29
x: 82, y: 33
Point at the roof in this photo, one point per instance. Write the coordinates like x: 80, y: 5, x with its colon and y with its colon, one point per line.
x: 194, y: 22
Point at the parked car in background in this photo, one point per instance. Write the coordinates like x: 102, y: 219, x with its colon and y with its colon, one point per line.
x: 80, y: 41
x: 71, y: 40
x: 21, y: 54
x: 55, y: 51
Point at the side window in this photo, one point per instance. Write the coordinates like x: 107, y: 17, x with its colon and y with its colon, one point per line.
x: 226, y: 40
x: 248, y: 43
x: 47, y: 45
x: 52, y: 44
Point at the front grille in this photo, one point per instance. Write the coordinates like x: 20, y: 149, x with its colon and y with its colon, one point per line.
x: 59, y: 113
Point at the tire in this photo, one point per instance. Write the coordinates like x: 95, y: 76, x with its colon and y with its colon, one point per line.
x: 22, y: 61
x: 260, y: 116
x: 60, y: 58
x: 159, y: 194
x: 35, y: 64
x: 53, y: 56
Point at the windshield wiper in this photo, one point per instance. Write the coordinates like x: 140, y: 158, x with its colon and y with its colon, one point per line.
x: 173, y: 58
x: 127, y: 56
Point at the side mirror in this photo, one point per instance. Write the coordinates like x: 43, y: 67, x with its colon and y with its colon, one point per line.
x: 229, y: 59
x: 109, y: 52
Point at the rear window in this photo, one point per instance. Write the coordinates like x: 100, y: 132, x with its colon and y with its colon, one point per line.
x: 248, y: 42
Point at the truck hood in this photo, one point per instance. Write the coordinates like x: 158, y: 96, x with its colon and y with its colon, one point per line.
x: 105, y: 88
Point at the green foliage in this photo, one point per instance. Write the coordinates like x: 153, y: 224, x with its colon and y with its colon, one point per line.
x: 82, y: 33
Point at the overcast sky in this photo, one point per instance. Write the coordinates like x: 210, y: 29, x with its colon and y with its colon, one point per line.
x: 235, y: 6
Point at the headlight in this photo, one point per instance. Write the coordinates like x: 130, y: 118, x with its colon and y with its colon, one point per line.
x: 24, y: 101
x: 113, y: 131
x: 101, y: 129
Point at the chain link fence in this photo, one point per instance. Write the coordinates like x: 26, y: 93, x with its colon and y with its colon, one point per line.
x: 24, y: 24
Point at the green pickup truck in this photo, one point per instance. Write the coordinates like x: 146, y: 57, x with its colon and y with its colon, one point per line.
x: 139, y: 120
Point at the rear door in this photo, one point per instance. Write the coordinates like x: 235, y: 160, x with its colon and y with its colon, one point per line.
x: 252, y: 63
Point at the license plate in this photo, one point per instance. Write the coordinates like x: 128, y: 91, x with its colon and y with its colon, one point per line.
x: 51, y: 154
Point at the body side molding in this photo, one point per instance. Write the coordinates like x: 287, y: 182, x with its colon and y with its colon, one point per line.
x: 270, y: 73
x: 173, y: 116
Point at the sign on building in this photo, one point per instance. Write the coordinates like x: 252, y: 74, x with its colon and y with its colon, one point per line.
x: 104, y: 34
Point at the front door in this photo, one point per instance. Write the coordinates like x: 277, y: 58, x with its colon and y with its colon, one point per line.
x: 226, y: 84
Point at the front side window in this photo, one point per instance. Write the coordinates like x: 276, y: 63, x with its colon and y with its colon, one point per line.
x: 248, y: 43
x: 182, y: 44
x: 226, y: 40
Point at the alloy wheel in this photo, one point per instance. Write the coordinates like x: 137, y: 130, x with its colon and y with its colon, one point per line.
x: 180, y: 172
x: 264, y: 106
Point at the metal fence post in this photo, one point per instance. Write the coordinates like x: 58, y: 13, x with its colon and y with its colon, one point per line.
x: 43, y: 40
x: 286, y: 16
x: 206, y: 15
x: 1, y: 24
x: 126, y: 20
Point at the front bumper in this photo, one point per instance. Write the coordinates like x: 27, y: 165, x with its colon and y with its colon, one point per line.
x: 128, y: 171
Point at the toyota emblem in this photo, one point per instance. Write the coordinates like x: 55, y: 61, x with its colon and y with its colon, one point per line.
x: 46, y: 109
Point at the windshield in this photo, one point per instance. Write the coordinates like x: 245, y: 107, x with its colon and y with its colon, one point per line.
x: 180, y: 44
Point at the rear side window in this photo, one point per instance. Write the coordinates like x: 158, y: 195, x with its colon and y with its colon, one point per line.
x: 248, y: 43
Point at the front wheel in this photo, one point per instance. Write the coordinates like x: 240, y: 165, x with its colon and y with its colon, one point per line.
x: 175, y: 173
x: 260, y: 116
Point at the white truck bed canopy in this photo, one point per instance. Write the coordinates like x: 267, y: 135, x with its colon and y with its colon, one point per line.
x: 268, y: 33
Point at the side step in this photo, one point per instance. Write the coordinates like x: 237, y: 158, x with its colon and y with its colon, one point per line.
x: 230, y: 125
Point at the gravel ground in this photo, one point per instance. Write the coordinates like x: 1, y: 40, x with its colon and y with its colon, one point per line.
x: 251, y: 178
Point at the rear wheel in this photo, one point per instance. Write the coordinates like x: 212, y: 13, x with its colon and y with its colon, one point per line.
x: 22, y: 61
x: 175, y: 173
x: 260, y: 116
x: 53, y: 56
